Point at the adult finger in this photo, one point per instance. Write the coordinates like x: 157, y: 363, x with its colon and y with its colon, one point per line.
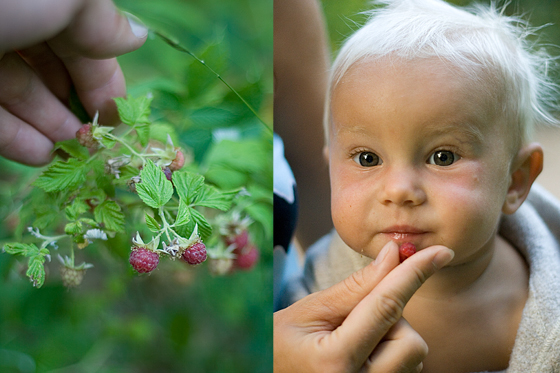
x: 21, y: 142
x: 334, y: 304
x: 99, y: 31
x: 401, y: 350
x: 93, y: 26
x: 372, y: 318
x: 97, y: 82
x: 24, y: 95
x: 49, y: 68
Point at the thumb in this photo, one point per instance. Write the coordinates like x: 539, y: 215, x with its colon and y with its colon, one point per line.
x: 342, y: 298
x: 100, y: 31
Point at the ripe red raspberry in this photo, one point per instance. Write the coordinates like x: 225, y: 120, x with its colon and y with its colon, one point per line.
x: 85, y: 136
x: 240, y: 240
x: 406, y: 250
x: 178, y: 162
x: 195, y: 254
x: 143, y: 260
x: 247, y: 258
x: 71, y: 277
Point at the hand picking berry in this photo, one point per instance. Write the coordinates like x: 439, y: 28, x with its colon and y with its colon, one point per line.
x: 406, y: 250
x: 195, y: 254
x: 143, y: 260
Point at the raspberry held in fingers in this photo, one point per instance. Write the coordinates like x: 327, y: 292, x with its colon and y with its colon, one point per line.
x: 406, y: 250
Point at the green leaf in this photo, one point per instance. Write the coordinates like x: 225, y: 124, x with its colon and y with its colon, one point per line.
x: 134, y: 110
x: 154, y: 189
x: 143, y: 132
x: 213, y: 198
x: 73, y: 228
x: 183, y: 215
x: 109, y: 214
x: 262, y: 213
x: 17, y: 248
x: 204, y: 228
x: 152, y: 224
x: 75, y: 209
x: 73, y: 148
x: 63, y: 176
x: 188, y: 185
x: 36, y: 268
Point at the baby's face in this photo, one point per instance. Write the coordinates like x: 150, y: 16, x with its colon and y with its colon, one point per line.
x: 417, y: 155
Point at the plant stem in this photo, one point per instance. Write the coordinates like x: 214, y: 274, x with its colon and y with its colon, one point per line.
x: 180, y: 48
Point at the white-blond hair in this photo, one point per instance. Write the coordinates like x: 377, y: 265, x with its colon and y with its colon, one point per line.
x: 480, y: 41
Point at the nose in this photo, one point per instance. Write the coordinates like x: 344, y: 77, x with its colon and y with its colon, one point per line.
x: 402, y: 187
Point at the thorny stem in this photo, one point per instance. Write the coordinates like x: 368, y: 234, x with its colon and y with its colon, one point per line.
x: 180, y: 48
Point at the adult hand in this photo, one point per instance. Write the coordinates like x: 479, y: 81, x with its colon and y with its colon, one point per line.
x: 46, y: 47
x: 356, y: 325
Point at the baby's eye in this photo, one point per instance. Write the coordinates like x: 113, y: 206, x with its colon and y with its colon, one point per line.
x: 443, y: 158
x: 367, y: 159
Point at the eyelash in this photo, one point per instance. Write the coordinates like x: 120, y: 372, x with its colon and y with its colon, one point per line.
x: 456, y: 157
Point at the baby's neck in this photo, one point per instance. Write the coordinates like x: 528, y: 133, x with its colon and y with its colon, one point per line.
x: 479, y: 273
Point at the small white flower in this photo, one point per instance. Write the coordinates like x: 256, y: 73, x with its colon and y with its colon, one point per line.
x: 95, y: 234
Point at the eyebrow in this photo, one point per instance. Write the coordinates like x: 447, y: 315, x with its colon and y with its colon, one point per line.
x: 466, y: 129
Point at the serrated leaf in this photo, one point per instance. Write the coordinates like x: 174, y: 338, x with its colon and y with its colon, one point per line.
x: 183, y: 214
x: 143, y: 132
x: 36, y: 268
x: 73, y: 228
x: 152, y: 224
x: 17, y: 248
x: 154, y: 189
x: 213, y: 198
x: 134, y: 110
x: 73, y: 148
x: 75, y: 209
x: 63, y: 176
x: 188, y: 185
x: 204, y: 228
x: 109, y: 214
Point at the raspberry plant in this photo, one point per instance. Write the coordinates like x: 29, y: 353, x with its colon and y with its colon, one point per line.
x: 107, y: 172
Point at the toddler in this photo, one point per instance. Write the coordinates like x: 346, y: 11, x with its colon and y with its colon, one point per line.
x: 428, y: 123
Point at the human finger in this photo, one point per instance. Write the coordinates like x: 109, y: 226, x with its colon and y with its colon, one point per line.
x: 21, y: 142
x: 24, y: 95
x: 99, y: 31
x: 334, y: 304
x: 402, y: 350
x: 372, y: 318
x: 97, y: 82
x: 49, y: 68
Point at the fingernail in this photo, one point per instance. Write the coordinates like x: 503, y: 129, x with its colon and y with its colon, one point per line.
x: 138, y: 28
x: 443, y: 257
x: 383, y: 253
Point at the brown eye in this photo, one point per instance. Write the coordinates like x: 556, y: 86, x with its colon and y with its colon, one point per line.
x: 367, y: 159
x: 443, y: 158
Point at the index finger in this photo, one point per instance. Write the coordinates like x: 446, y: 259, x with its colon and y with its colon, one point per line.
x: 372, y: 318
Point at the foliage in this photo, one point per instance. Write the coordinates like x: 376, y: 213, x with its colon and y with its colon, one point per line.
x: 179, y: 318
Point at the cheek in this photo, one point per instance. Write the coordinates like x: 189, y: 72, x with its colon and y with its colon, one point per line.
x: 469, y: 206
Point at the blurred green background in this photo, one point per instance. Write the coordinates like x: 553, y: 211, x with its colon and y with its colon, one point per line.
x: 178, y: 319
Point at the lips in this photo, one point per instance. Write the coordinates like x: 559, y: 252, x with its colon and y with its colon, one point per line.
x: 403, y: 233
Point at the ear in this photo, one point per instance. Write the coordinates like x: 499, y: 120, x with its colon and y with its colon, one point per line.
x: 526, y: 167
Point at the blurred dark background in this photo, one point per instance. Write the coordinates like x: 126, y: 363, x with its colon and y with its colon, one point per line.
x: 178, y: 319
